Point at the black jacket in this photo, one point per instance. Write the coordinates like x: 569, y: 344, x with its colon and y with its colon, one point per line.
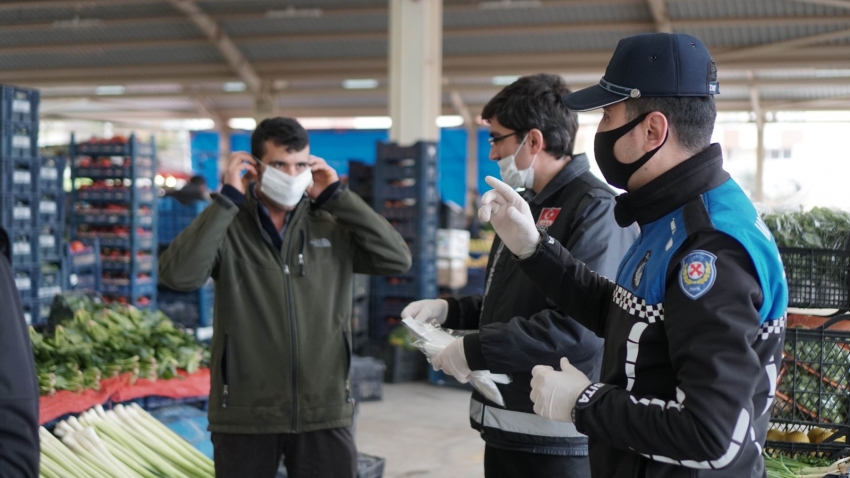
x: 19, y: 446
x: 693, y: 330
x: 520, y: 328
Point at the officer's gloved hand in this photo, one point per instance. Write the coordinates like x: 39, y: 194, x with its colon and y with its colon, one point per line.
x: 452, y: 360
x: 422, y: 310
x: 555, y: 393
x: 511, y: 218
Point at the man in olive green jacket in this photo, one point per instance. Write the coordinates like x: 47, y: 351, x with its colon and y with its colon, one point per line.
x: 282, y: 262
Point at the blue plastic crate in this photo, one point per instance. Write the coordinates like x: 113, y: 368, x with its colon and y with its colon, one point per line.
x: 192, y: 309
x: 406, y: 189
x: 51, y: 207
x: 26, y: 280
x: 18, y: 175
x: 411, y: 228
x: 114, y: 172
x: 146, y: 288
x: 174, y: 217
x: 398, y: 210
x: 24, y: 247
x: 19, y: 104
x: 19, y: 139
x: 30, y: 309
x: 425, y: 151
x: 189, y: 422
x: 105, y: 219
x: 116, y: 195
x: 143, y: 242
x: 144, y: 263
x: 51, y: 280
x: 51, y: 237
x: 423, y: 287
x: 16, y: 211
x: 476, y: 281
x: 114, y: 149
x: 84, y: 280
x: 50, y: 174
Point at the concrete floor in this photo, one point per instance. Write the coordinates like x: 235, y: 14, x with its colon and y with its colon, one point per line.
x: 422, y: 431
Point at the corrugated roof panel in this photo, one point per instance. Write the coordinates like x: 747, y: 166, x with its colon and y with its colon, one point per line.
x: 83, y: 10
x: 733, y: 93
x: 330, y: 23
x: 237, y: 6
x: 288, y: 50
x: 180, y: 29
x: 114, y: 57
x: 232, y: 102
x: 701, y: 9
x: 758, y: 34
x: 307, y: 101
x: 573, y: 13
x: 772, y: 93
x: 537, y: 43
x: 153, y: 103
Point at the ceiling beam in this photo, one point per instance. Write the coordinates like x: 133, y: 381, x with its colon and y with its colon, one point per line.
x: 660, y: 15
x: 782, y: 46
x: 222, y: 41
x: 206, y: 107
x: 829, y: 3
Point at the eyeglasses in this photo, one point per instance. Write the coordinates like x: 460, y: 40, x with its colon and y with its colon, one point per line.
x: 495, y: 139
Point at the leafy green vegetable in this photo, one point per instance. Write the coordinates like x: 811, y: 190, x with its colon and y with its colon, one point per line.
x: 90, y: 340
x: 820, y: 228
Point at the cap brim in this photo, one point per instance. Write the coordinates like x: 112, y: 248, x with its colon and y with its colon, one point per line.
x: 591, y: 98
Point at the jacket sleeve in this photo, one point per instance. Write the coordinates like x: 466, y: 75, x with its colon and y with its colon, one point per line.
x: 378, y: 248
x: 716, y: 368
x: 194, y: 254
x: 573, y: 286
x: 545, y: 337
x: 464, y: 312
x: 19, y: 443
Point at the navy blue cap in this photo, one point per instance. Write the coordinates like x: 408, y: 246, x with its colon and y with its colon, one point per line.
x: 651, y: 64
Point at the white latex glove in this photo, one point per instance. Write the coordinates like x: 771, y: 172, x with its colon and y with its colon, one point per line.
x: 452, y: 360
x: 555, y: 393
x: 511, y: 218
x: 422, y: 310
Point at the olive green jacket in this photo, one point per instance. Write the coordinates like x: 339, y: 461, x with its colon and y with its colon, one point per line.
x: 281, y: 348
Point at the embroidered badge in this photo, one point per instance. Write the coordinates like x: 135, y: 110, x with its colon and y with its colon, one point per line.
x: 698, y: 273
x: 548, y: 216
x: 640, y: 269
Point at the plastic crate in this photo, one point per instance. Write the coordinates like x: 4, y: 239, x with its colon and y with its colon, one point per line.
x: 367, y: 377
x: 403, y: 365
x: 833, y: 447
x: 30, y: 310
x: 143, y: 287
x: 16, y: 211
x: 817, y: 278
x: 26, y: 280
x: 51, y: 174
x: 408, y: 210
x: 139, y: 263
x: 475, y: 282
x: 370, y: 466
x: 411, y: 229
x: 116, y: 195
x: 50, y: 240
x: 144, y: 242
x: 19, y: 104
x: 18, y: 175
x: 360, y: 315
x: 192, y: 309
x: 24, y: 247
x: 814, y: 378
x: 103, y: 219
x: 419, y: 288
x: 424, y: 151
x: 85, y: 260
x: 19, y: 139
x: 84, y: 280
x: 174, y: 217
x: 51, y: 206
x: 114, y: 148
x: 361, y: 285
x: 51, y: 279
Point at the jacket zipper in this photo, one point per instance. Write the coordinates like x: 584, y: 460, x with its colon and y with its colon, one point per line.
x: 301, y: 241
x: 490, y: 279
x: 293, y: 331
x: 225, y: 390
x: 347, y: 366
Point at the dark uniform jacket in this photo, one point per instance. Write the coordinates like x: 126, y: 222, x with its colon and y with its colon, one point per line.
x: 520, y: 328
x: 693, y: 330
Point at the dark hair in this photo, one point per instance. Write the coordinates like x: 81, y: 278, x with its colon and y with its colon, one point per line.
x: 198, y: 180
x: 534, y: 102
x: 282, y: 131
x: 691, y: 118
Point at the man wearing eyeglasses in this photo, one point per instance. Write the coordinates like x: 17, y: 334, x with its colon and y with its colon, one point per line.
x: 532, y: 135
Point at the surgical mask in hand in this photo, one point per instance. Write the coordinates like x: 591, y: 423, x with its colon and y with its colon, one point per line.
x: 514, y: 177
x: 283, y: 189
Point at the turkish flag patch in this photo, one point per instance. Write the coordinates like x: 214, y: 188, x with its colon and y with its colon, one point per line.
x: 548, y: 216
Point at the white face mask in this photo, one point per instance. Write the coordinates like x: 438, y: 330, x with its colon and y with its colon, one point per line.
x: 514, y: 177
x: 283, y: 189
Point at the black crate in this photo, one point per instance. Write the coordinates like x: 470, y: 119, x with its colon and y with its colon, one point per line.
x: 412, y: 228
x: 360, y: 315
x: 19, y: 175
x: 825, y: 441
x: 367, y: 377
x: 817, y: 278
x: 18, y: 104
x: 402, y: 210
x: 24, y: 247
x: 192, y: 309
x: 19, y: 139
x: 50, y: 240
x: 16, y: 211
x: 814, y: 378
x: 403, y: 365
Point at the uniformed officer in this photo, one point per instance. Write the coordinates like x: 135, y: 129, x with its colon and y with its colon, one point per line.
x: 694, y: 323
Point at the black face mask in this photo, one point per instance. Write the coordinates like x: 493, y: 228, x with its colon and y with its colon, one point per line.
x: 616, y: 173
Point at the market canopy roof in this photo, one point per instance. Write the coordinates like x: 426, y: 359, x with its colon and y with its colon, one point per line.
x: 136, y: 59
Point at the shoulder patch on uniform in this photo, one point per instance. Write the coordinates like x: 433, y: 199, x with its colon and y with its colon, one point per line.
x: 698, y: 273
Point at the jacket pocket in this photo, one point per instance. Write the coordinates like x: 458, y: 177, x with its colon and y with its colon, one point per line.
x: 224, y: 375
x: 348, y: 397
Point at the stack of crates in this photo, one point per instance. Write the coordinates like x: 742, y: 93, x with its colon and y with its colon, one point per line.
x: 83, y: 267
x: 360, y: 312
x: 361, y: 180
x: 19, y: 190
x: 113, y: 200
x: 50, y: 227
x: 406, y: 195
x: 174, y: 217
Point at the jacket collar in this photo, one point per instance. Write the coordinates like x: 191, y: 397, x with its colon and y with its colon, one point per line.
x: 673, y: 189
x: 575, y: 168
